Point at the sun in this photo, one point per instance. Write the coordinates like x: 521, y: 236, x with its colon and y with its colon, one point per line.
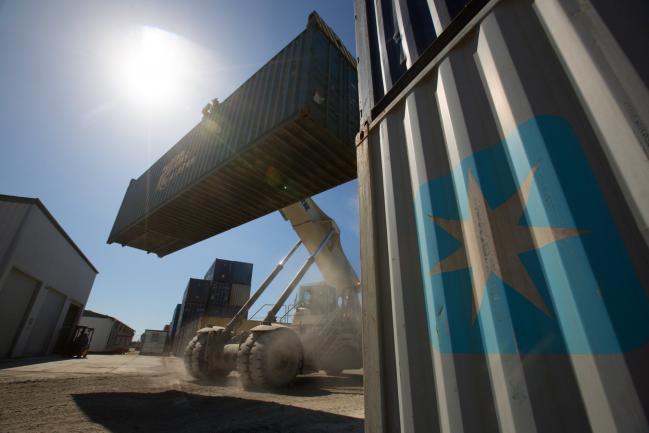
x: 153, y: 67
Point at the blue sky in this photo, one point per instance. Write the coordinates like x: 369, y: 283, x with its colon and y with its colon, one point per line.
x: 75, y: 129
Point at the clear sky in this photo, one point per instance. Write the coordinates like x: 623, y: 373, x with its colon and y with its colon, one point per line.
x: 80, y: 115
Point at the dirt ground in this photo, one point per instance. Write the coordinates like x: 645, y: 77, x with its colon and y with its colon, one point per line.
x: 135, y: 393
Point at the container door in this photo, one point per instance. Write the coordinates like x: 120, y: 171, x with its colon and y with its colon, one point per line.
x: 222, y: 271
x: 45, y: 323
x: 219, y: 294
x: 15, y: 298
x: 239, y: 294
x: 241, y: 273
x: 197, y: 291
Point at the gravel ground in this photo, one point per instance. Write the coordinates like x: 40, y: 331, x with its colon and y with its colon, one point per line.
x: 133, y: 393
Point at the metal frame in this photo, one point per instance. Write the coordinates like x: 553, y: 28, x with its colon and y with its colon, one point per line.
x: 270, y: 316
x: 397, y: 382
x: 238, y: 318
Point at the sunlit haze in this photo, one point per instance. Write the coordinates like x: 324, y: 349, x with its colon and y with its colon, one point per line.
x: 155, y: 66
x: 94, y: 92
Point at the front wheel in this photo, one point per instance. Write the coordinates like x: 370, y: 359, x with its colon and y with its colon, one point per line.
x: 269, y: 359
x: 197, y: 358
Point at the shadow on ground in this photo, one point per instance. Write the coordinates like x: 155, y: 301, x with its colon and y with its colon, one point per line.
x: 19, y: 362
x: 176, y: 411
x: 312, y: 386
x: 303, y: 386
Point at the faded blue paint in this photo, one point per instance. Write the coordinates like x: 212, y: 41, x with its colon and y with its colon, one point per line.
x: 597, y: 303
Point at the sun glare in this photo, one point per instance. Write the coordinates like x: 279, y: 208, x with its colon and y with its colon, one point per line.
x: 153, y: 67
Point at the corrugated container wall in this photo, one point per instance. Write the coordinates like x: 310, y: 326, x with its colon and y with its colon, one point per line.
x: 153, y: 342
x: 504, y: 189
x: 175, y: 320
x: 287, y: 133
x: 230, y: 271
x: 239, y: 294
x: 197, y: 292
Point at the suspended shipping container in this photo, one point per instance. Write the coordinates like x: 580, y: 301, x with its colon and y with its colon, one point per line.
x: 287, y: 133
x: 504, y: 205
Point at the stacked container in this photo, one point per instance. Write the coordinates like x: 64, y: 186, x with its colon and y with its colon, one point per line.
x: 192, y: 310
x: 230, y: 287
x: 174, y: 321
x: 214, y: 299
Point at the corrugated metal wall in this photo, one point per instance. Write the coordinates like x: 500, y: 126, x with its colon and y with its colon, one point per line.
x: 504, y: 190
x: 239, y: 294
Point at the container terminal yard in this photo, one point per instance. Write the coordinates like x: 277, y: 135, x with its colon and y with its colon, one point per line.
x: 304, y: 216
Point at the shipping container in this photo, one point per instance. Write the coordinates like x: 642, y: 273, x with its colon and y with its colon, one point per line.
x: 197, y: 291
x: 230, y: 271
x: 504, y: 198
x: 239, y: 294
x: 219, y: 271
x: 241, y: 273
x: 227, y: 311
x: 188, y: 331
x: 191, y: 312
x: 219, y: 294
x: 153, y: 342
x: 175, y: 320
x: 287, y: 133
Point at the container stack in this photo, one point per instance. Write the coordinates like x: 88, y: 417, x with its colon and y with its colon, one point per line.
x: 174, y: 321
x: 212, y: 300
x: 230, y: 287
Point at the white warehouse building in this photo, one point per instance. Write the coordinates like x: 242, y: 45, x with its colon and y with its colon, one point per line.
x: 45, y: 280
x: 110, y: 336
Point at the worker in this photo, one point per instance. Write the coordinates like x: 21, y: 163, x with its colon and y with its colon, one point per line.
x: 210, y: 108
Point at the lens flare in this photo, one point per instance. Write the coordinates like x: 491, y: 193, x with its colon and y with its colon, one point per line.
x: 153, y: 69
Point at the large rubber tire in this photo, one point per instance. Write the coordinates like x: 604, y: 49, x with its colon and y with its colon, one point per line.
x: 269, y: 359
x: 243, y: 361
x: 187, y: 358
x: 196, y: 360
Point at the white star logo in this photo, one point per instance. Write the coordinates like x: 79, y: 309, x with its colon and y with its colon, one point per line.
x: 493, y: 241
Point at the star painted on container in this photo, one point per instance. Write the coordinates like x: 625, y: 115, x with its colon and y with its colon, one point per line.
x: 493, y: 239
